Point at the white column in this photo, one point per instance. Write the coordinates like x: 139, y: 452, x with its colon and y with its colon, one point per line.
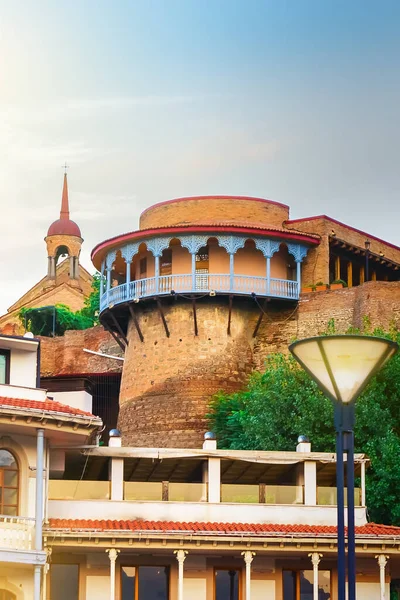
x: 315, y: 559
x: 102, y: 279
x: 193, y: 271
x: 38, y: 509
x: 157, y: 272
x: 298, y: 265
x: 268, y: 274
x: 248, y: 559
x: 382, y: 562
x: 180, y: 557
x: 116, y: 471
x: 231, y: 271
x: 112, y: 555
x: 71, y: 267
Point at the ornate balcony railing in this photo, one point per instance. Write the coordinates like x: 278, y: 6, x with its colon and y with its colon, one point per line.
x: 16, y: 533
x: 186, y: 283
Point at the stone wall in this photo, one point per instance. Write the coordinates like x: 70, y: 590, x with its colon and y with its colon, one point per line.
x: 167, y: 382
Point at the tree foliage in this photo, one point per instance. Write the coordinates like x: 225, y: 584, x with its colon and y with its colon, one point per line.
x: 42, y: 320
x: 282, y: 402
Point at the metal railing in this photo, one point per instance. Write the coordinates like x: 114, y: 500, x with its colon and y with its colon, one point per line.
x: 187, y: 283
x: 16, y: 533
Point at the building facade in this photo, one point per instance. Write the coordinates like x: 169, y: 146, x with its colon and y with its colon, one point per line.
x: 84, y: 521
x: 192, y: 296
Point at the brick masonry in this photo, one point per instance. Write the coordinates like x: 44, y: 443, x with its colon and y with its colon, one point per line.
x: 167, y: 382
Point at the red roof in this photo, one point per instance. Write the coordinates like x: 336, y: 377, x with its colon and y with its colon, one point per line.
x: 38, y: 405
x: 64, y: 227
x: 268, y: 529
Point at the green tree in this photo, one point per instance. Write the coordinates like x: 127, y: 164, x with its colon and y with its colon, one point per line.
x: 282, y: 402
x: 42, y: 320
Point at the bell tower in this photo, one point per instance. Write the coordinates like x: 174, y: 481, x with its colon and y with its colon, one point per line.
x: 63, y: 238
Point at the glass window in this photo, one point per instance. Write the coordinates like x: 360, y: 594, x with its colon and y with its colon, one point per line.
x: 298, y: 585
x: 64, y: 582
x: 227, y: 584
x: 4, y: 366
x: 145, y: 583
x: 8, y: 484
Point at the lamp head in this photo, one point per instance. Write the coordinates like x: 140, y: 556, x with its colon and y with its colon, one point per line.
x: 342, y: 365
x: 367, y: 244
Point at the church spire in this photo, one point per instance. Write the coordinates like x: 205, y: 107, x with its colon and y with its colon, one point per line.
x: 64, y: 213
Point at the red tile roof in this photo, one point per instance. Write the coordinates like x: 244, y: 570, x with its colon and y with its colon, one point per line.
x: 258, y: 529
x: 49, y: 406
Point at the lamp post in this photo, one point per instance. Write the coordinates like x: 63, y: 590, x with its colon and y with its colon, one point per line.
x: 367, y: 245
x: 342, y: 366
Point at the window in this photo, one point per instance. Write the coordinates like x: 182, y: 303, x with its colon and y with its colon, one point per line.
x: 227, y: 584
x: 64, y: 582
x: 145, y: 583
x: 166, y: 262
x: 9, y: 477
x: 4, y: 366
x: 143, y: 267
x: 298, y: 585
x: 202, y: 268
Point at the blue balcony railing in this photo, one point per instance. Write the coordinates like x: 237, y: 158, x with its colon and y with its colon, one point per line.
x: 187, y: 283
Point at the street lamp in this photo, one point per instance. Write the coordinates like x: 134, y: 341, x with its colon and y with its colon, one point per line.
x: 367, y: 245
x: 342, y: 366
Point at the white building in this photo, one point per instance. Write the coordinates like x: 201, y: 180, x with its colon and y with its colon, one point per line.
x: 81, y: 521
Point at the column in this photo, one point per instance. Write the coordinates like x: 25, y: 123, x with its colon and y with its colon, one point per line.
x: 362, y: 274
x: 315, y: 559
x: 71, y: 267
x: 108, y: 269
x: 349, y: 274
x: 50, y: 267
x: 268, y: 274
x: 157, y: 272
x: 102, y: 280
x: 193, y: 271
x: 337, y: 267
x: 382, y: 562
x: 298, y: 265
x: 180, y: 557
x: 39, y: 508
x: 231, y: 271
x: 112, y: 555
x: 248, y: 559
x: 373, y: 278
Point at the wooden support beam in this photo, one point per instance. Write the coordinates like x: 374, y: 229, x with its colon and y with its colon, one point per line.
x: 196, y: 329
x: 136, y: 322
x: 362, y: 274
x: 349, y: 274
x: 135, y: 464
x: 230, y: 314
x: 260, y: 318
x: 160, y: 310
x: 119, y: 328
x: 337, y: 267
x: 116, y: 338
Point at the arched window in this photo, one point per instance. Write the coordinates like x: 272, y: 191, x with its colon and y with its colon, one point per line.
x: 9, y: 480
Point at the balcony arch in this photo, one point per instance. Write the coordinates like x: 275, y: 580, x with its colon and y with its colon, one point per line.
x: 237, y: 264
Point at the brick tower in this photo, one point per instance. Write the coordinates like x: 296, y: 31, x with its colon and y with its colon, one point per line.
x: 184, y: 297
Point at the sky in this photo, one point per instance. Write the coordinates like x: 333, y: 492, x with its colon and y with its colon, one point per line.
x: 292, y: 100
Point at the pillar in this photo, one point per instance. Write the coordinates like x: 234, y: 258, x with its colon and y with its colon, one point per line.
x: 231, y: 271
x: 180, y: 557
x: 108, y: 269
x: 116, y: 471
x: 102, y: 280
x: 39, y: 508
x: 298, y: 265
x: 193, y: 270
x: 248, y: 559
x: 373, y: 278
x: 362, y: 274
x: 71, y: 267
x: 315, y: 559
x: 268, y: 274
x: 337, y: 267
x: 157, y: 272
x: 128, y: 274
x: 349, y: 274
x: 382, y: 562
x: 112, y: 555
x: 51, y: 267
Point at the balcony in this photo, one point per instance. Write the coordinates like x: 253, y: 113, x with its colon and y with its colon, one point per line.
x: 219, y: 283
x: 16, y: 533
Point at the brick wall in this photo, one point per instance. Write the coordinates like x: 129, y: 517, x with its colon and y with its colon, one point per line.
x: 214, y: 210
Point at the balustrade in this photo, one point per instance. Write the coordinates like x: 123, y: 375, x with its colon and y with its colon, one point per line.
x: 16, y: 533
x: 196, y: 282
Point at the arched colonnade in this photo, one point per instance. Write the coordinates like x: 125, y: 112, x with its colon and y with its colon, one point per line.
x: 236, y: 264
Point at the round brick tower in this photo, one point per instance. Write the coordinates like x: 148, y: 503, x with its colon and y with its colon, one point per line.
x: 184, y: 296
